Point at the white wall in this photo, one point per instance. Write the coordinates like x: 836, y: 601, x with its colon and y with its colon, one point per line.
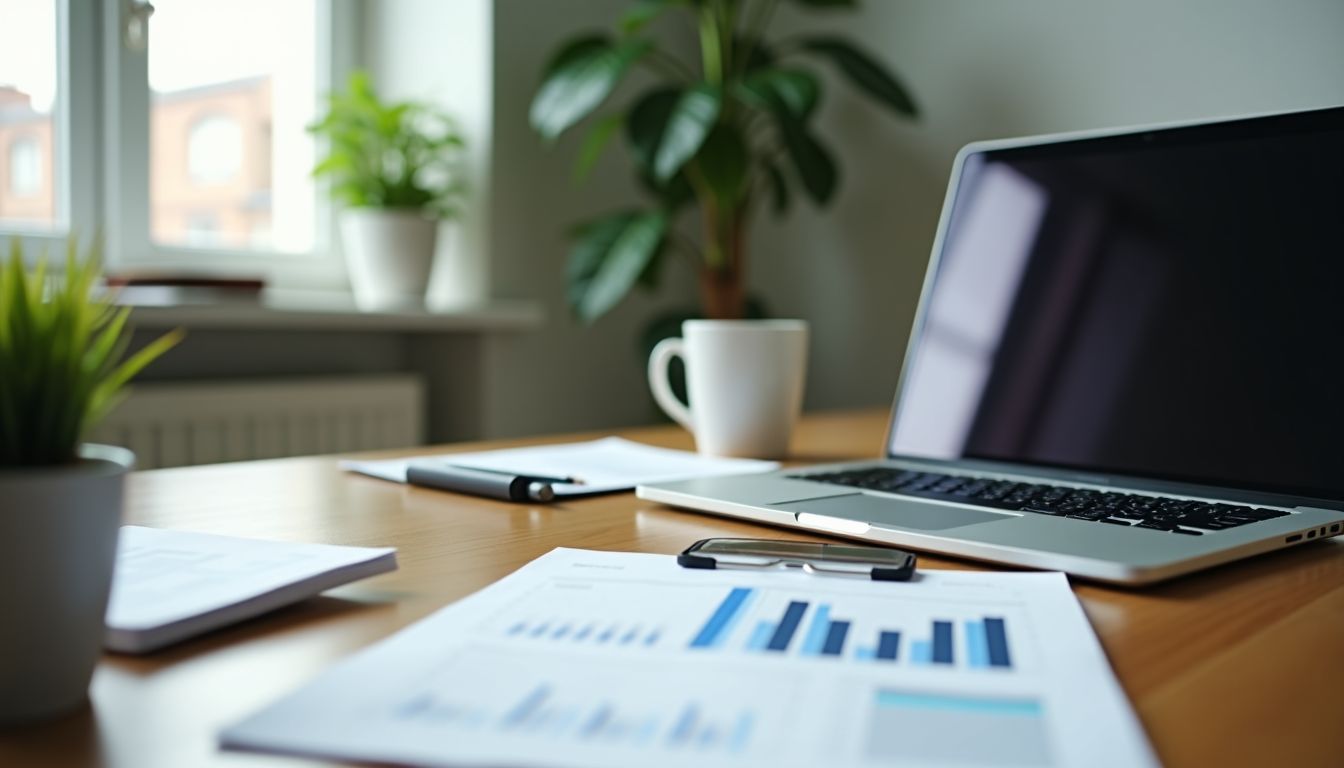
x: 980, y: 69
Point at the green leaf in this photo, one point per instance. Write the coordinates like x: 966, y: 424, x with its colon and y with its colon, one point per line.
x: 641, y: 14
x: 724, y: 163
x: 648, y: 120
x: 796, y: 90
x: 688, y: 125
x: 593, y: 145
x: 609, y: 257
x: 865, y: 73
x: 814, y: 164
x: 779, y: 188
x: 579, y: 79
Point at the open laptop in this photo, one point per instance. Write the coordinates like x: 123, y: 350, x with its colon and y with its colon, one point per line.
x: 1127, y: 361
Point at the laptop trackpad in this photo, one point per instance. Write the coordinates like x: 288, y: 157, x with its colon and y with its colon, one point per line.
x: 894, y: 513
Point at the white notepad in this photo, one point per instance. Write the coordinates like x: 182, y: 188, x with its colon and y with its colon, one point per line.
x: 606, y: 465
x: 171, y: 585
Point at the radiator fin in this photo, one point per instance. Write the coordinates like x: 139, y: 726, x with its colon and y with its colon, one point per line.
x: 171, y: 425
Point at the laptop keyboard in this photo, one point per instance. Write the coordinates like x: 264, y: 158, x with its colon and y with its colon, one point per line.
x: 1160, y: 513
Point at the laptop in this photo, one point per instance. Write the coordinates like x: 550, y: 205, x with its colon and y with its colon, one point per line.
x: 1127, y: 362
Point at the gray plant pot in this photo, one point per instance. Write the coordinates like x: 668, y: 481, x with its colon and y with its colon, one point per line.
x: 58, y: 544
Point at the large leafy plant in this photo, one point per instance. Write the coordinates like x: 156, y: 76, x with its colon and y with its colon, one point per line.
x: 726, y: 133
x: 401, y: 155
x: 61, y: 357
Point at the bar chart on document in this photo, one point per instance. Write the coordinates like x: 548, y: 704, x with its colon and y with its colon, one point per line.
x: 717, y: 688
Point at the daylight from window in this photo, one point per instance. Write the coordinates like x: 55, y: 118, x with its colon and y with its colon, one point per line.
x: 28, y: 103
x: 232, y: 87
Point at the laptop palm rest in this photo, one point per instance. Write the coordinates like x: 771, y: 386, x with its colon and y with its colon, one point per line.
x: 892, y: 513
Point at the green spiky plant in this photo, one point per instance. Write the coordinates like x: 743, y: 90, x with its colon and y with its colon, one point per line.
x: 62, y: 356
x: 723, y: 134
x: 402, y: 155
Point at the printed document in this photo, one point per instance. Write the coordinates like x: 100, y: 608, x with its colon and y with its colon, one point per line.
x: 616, y: 659
x: 609, y: 464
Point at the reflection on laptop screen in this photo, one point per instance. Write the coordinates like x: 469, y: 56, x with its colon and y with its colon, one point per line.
x: 1166, y: 304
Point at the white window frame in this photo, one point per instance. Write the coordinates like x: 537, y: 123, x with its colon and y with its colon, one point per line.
x: 125, y: 149
x: 75, y: 139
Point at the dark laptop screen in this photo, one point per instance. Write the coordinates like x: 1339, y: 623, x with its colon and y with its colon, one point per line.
x: 1166, y: 304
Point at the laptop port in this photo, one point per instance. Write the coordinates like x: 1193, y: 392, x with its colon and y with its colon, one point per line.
x: 1334, y: 528
x: 1311, y: 534
x: 1294, y: 538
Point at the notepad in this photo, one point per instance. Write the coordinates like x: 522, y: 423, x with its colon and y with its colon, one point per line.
x: 605, y: 465
x: 172, y: 585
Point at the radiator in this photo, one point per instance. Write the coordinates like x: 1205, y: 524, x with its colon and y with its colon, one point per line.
x: 170, y: 425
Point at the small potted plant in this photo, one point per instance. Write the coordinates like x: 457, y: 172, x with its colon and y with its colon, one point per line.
x: 395, y: 168
x: 61, y: 370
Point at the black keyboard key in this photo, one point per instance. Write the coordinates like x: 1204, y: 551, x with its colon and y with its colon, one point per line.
x: 1093, y: 516
x: 1187, y: 531
x: 1113, y: 521
x: 1051, y: 512
x: 1156, y: 525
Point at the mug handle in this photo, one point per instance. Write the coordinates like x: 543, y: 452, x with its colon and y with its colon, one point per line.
x: 662, y: 390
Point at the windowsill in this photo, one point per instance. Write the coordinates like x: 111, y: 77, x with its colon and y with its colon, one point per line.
x: 321, y: 311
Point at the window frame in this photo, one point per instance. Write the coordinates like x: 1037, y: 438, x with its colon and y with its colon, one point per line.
x: 74, y: 138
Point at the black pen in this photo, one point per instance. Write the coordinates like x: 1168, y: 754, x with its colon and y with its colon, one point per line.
x: 491, y: 483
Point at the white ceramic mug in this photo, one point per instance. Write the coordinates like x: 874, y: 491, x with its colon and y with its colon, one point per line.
x: 744, y: 380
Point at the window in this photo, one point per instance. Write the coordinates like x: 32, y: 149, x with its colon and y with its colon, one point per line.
x: 176, y: 133
x: 230, y: 98
x: 214, y: 150
x: 25, y: 168
x: 29, y: 107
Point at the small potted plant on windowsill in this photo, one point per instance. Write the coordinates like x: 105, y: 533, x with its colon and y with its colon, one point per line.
x: 61, y: 370
x: 395, y: 168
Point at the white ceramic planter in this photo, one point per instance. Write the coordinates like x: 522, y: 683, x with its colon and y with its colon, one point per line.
x: 58, y: 544
x: 389, y: 255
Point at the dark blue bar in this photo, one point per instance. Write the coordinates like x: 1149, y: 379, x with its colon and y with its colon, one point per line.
x: 998, y: 643
x: 942, y: 642
x: 888, y: 645
x: 793, y: 616
x: 730, y: 605
x: 835, y: 638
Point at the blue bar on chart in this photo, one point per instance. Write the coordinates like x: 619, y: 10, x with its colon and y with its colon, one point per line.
x: 996, y: 638
x: 921, y: 652
x: 793, y: 615
x: 942, y: 642
x: 977, y: 647
x: 527, y: 707
x: 720, y: 622
x: 888, y: 645
x: 816, y: 632
x: 835, y: 638
x: 760, y: 636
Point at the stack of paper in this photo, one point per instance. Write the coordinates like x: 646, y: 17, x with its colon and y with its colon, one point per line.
x: 171, y: 585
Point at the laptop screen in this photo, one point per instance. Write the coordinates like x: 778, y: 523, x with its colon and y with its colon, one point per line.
x: 1165, y: 304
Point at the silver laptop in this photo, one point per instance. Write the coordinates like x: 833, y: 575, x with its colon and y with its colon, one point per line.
x: 1127, y: 362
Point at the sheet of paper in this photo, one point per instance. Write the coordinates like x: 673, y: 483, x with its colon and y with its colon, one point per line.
x: 171, y: 584
x: 609, y: 464
x: 613, y: 659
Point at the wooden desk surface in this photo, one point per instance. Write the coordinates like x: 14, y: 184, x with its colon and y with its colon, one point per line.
x: 1237, y: 666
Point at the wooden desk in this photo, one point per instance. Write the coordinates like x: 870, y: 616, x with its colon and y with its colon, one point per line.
x: 1238, y: 666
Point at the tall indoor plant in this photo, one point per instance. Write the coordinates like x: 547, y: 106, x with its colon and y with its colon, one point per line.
x: 723, y: 134
x: 395, y: 169
x: 61, y: 370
